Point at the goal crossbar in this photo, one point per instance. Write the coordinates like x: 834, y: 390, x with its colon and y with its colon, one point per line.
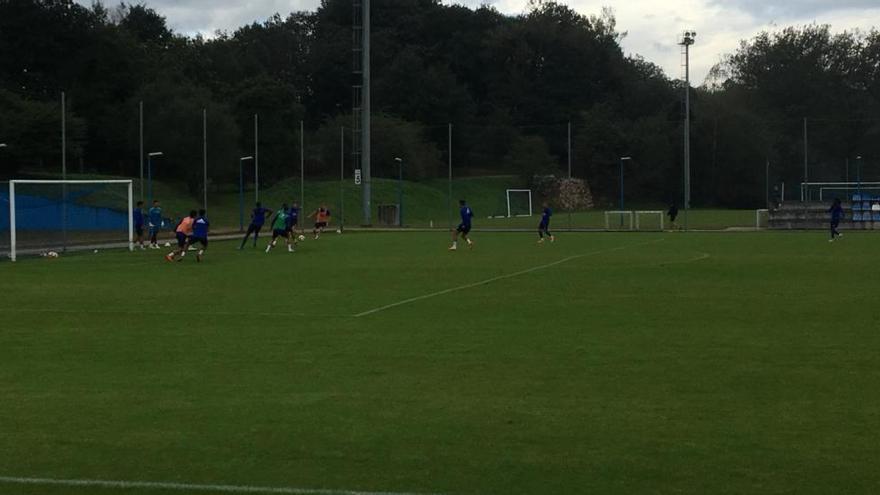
x: 12, y: 211
x: 639, y: 213
x: 608, y: 214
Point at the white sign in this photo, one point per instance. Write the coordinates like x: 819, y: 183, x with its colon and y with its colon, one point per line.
x: 357, y: 176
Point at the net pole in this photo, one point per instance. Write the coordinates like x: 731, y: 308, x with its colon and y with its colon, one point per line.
x: 449, y: 194
x: 12, y: 235
x: 130, y: 217
x: 341, y: 177
x: 302, y: 165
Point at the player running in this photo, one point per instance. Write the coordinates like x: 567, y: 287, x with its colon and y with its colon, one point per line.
x: 138, y: 218
x: 200, y: 234
x: 464, y: 227
x: 279, y: 228
x: 672, y: 214
x: 155, y: 218
x: 291, y: 221
x: 836, y: 214
x: 544, y: 226
x: 322, y: 218
x: 258, y: 219
x: 183, y: 232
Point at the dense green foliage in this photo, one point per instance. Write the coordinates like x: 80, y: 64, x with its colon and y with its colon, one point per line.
x: 642, y: 366
x: 509, y: 85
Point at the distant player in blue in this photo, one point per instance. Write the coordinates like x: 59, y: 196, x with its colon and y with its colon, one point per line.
x: 836, y: 214
x: 154, y: 217
x: 200, y: 234
x: 464, y: 228
x: 291, y: 222
x: 544, y: 226
x: 138, y: 219
x: 258, y: 219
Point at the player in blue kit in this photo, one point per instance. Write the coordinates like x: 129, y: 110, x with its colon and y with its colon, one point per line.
x: 139, y: 221
x: 258, y: 219
x: 200, y: 234
x: 836, y: 211
x: 291, y: 222
x: 544, y: 226
x: 464, y: 228
x: 154, y: 217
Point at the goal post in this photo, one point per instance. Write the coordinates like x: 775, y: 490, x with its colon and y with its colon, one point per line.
x: 520, y: 204
x: 87, y: 212
x: 651, y: 213
x: 759, y: 213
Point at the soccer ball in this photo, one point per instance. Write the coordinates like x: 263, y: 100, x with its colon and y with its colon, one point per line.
x: 301, y: 237
x: 338, y: 231
x: 167, y: 244
x: 52, y: 254
x: 95, y: 251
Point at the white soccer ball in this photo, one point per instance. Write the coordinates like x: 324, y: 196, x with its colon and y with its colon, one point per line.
x: 338, y: 231
x: 52, y: 254
x: 167, y: 244
x: 301, y: 237
x: 95, y: 251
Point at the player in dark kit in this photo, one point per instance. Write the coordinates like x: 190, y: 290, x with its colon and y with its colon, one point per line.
x: 138, y: 218
x: 200, y: 234
x: 464, y: 228
x: 155, y: 218
x: 544, y: 226
x: 290, y: 222
x: 258, y: 219
x: 836, y: 214
x: 672, y: 214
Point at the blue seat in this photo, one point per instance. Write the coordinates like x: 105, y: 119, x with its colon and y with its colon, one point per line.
x: 857, y: 197
x: 857, y: 216
x: 857, y: 207
x: 876, y: 216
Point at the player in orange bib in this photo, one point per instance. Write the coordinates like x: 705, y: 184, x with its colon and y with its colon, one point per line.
x: 322, y: 218
x: 183, y: 232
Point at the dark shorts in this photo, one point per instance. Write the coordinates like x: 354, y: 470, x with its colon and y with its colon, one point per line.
x: 154, y: 229
x: 201, y: 240
x: 279, y: 233
x: 320, y: 225
x: 181, y: 239
x: 139, y: 231
x: 288, y: 230
x: 464, y: 229
x: 255, y: 228
x: 544, y: 226
x: 834, y: 224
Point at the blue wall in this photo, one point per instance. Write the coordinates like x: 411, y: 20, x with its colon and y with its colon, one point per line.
x: 38, y: 213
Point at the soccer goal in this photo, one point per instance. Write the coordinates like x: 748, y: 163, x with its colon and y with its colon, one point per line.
x: 63, y: 215
x: 649, y: 220
x: 619, y: 220
x: 762, y: 213
x: 519, y: 203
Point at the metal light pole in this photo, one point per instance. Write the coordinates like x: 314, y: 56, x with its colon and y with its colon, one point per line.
x: 150, y: 172
x: 205, y: 155
x: 302, y: 166
x: 141, y: 153
x: 241, y: 190
x: 399, y: 191
x: 365, y: 116
x: 342, y: 177
x: 859, y: 174
x: 622, y: 159
x: 256, y: 157
x: 687, y: 40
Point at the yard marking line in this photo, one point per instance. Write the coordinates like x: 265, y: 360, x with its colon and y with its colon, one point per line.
x: 499, y: 277
x: 161, y: 313
x: 163, y: 485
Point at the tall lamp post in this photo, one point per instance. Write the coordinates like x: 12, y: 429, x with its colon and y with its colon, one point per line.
x: 399, y: 191
x: 686, y: 41
x: 150, y: 172
x: 241, y: 190
x: 859, y: 173
x: 622, y: 159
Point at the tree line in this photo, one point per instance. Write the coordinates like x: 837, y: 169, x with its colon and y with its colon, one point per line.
x: 510, y: 85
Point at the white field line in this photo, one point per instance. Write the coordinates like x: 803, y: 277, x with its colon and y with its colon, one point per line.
x: 500, y: 277
x: 160, y: 313
x: 162, y: 485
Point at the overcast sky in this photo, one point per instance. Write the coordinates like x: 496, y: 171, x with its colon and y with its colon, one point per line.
x: 652, y: 26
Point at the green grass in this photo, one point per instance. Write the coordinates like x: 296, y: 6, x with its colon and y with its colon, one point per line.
x: 426, y: 203
x: 649, y: 363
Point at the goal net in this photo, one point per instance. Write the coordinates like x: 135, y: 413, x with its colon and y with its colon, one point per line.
x: 649, y: 220
x: 41, y: 216
x: 619, y: 220
x: 519, y: 203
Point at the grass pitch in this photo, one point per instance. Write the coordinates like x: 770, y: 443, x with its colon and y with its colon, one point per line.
x: 603, y: 363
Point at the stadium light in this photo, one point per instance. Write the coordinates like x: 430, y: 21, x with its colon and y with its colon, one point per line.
x: 241, y: 190
x: 399, y: 191
x: 688, y: 39
x: 150, y: 172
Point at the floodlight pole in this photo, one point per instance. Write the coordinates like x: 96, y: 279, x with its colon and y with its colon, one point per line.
x: 686, y: 41
x: 256, y: 157
x: 341, y: 177
x: 569, y: 149
x: 241, y: 190
x: 150, y: 173
x: 205, y: 155
x: 64, y: 170
x: 302, y: 166
x: 622, y: 159
x: 365, y: 116
x: 399, y: 191
x: 859, y: 174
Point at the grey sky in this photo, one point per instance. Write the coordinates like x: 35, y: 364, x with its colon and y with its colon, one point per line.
x: 653, y: 26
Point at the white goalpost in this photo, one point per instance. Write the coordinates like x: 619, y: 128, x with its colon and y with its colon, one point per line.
x: 640, y: 213
x: 621, y: 215
x: 84, y: 213
x: 510, y: 211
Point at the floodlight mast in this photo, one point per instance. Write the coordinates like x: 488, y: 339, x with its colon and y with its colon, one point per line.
x: 687, y: 40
